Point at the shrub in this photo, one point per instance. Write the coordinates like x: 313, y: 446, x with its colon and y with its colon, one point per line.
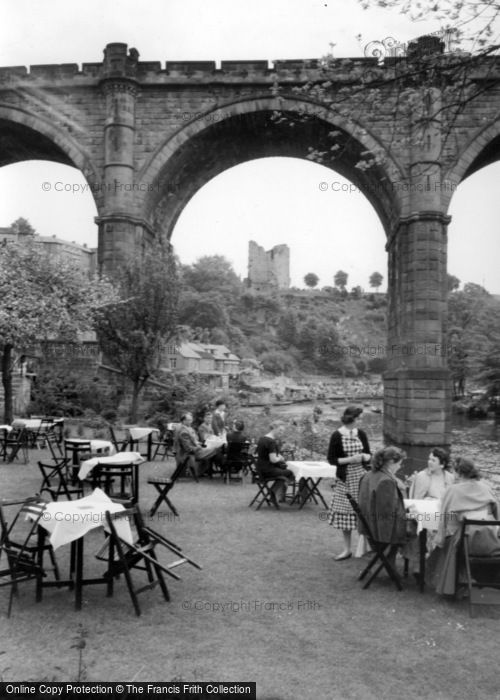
x: 59, y: 390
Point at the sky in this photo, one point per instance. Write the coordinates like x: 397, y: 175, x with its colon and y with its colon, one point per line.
x: 272, y: 200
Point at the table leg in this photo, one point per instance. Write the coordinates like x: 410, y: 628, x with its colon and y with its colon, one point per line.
x: 79, y: 573
x: 136, y: 483
x: 150, y: 446
x: 39, y: 561
x: 422, y: 540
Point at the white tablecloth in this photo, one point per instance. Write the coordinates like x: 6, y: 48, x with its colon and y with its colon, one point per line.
x: 426, y: 512
x: 97, y: 446
x: 33, y: 423
x: 117, y: 459
x: 312, y: 470
x: 139, y: 433
x: 69, y: 520
x: 212, y: 444
x: 7, y: 428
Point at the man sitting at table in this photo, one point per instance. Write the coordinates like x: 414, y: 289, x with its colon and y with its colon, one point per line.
x: 271, y: 464
x: 188, y: 448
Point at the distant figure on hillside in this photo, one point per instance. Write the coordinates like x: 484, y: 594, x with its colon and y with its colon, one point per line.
x: 349, y: 450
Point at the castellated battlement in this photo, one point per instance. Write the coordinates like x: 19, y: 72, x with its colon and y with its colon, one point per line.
x: 120, y: 61
x: 268, y: 269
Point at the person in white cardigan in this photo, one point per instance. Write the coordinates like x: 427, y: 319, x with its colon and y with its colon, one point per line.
x: 433, y: 481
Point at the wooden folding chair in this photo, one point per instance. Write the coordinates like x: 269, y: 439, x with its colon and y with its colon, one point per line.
x: 237, y: 461
x: 74, y: 452
x: 17, y: 443
x: 164, y: 446
x: 119, y: 444
x: 53, y: 443
x: 264, y: 493
x: 118, y: 481
x: 24, y: 557
x: 124, y: 557
x: 482, y: 572
x: 381, y: 551
x: 163, y: 484
x: 54, y: 481
x: 38, y: 438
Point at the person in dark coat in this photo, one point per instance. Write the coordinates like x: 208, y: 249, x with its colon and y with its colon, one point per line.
x: 380, y: 500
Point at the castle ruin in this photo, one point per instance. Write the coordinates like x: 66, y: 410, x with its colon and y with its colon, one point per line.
x: 269, y: 269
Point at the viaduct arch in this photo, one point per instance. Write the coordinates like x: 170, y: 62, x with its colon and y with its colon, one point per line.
x: 148, y: 136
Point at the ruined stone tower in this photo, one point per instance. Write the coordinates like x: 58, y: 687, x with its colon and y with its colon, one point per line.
x: 269, y: 269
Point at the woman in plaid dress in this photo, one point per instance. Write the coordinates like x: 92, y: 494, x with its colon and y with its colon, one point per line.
x: 348, y: 451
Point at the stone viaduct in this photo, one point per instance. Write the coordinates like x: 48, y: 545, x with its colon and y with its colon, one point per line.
x: 147, y: 137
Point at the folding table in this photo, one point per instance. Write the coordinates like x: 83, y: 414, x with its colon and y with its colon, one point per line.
x: 427, y: 514
x: 119, y: 459
x: 312, y: 472
x: 68, y: 522
x: 137, y: 433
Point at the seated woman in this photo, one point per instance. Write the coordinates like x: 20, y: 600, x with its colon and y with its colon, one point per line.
x: 270, y: 463
x: 380, y: 500
x: 205, y: 428
x: 206, y: 432
x: 469, y: 497
x: 433, y: 481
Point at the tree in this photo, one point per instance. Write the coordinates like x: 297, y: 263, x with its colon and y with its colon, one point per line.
x: 452, y: 282
x: 132, y: 332
x: 311, y: 279
x: 277, y: 362
x: 340, y: 279
x: 413, y: 87
x: 41, y: 298
x: 468, y: 332
x: 375, y: 280
x: 211, y: 273
x: 22, y: 227
x: 197, y: 309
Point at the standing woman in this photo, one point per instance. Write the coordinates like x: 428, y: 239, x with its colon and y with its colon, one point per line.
x: 348, y: 451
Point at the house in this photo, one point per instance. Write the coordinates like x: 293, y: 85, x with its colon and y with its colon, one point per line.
x: 216, y: 362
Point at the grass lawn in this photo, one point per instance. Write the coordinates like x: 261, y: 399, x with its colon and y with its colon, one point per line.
x: 271, y: 606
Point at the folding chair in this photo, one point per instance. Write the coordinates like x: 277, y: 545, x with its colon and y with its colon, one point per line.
x: 24, y: 559
x: 118, y: 481
x: 40, y: 436
x: 54, y: 445
x: 124, y: 557
x: 482, y: 572
x: 238, y: 460
x: 74, y: 451
x: 164, y: 446
x: 3, y: 443
x: 16, y: 442
x: 380, y: 550
x: 119, y: 444
x: 54, y: 481
x: 264, y: 493
x: 163, y: 484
